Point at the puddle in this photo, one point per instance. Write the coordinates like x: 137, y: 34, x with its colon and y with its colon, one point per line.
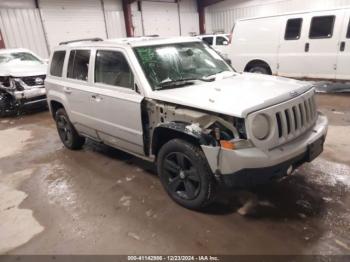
x: 17, y: 226
x: 12, y: 141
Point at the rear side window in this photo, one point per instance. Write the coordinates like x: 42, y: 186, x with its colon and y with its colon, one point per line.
x: 78, y: 64
x: 221, y: 40
x: 208, y: 40
x: 348, y: 33
x: 57, y: 63
x: 112, y: 68
x: 293, y: 29
x: 322, y: 27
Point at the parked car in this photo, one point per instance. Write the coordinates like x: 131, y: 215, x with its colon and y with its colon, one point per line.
x: 177, y: 103
x: 218, y: 42
x: 22, y: 75
x: 312, y: 45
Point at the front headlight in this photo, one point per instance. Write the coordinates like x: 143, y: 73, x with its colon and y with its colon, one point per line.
x: 261, y: 126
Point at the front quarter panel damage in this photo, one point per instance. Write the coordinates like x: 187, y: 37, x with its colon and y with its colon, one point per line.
x: 163, y: 122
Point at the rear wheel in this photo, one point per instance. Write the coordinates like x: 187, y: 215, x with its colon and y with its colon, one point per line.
x: 185, y: 174
x: 69, y: 136
x: 259, y: 69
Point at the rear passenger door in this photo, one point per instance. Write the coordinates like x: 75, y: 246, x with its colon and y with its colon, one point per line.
x: 321, y: 47
x: 116, y: 105
x: 343, y: 61
x: 291, y: 55
x: 78, y: 90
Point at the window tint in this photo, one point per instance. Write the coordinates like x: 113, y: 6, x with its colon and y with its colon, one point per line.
x: 57, y: 63
x: 322, y: 27
x: 111, y: 68
x: 78, y: 64
x: 208, y: 40
x: 348, y: 33
x: 220, y: 40
x: 293, y: 29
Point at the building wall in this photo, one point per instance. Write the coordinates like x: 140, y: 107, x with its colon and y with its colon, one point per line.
x: 21, y: 26
x: 221, y: 16
x: 165, y: 18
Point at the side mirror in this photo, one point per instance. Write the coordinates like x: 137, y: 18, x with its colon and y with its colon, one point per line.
x: 225, y: 43
x: 46, y: 61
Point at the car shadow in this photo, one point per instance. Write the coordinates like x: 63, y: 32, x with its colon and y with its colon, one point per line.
x: 293, y: 197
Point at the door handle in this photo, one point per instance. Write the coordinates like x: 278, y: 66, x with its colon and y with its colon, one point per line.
x: 307, y: 47
x: 67, y: 90
x: 342, y: 46
x: 96, y: 97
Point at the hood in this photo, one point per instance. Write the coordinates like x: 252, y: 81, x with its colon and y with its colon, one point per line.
x: 22, y: 69
x: 237, y: 95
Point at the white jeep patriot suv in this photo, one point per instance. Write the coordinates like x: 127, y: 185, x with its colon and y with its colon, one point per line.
x: 176, y: 102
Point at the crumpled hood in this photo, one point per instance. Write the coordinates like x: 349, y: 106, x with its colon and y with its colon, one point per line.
x: 21, y: 69
x: 237, y: 96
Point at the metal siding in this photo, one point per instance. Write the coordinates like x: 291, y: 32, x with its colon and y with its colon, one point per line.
x: 66, y: 20
x: 22, y: 28
x: 161, y: 18
x: 221, y: 16
x: 115, y: 24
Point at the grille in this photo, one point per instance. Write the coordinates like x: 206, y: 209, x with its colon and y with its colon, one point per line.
x: 289, y: 120
x: 30, y: 80
x: 296, y: 119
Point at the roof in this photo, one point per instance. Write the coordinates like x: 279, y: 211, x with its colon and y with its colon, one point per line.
x: 132, y: 41
x: 294, y: 13
x: 13, y: 50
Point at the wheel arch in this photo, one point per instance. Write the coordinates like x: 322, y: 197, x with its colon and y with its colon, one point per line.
x: 172, y: 130
x: 256, y: 62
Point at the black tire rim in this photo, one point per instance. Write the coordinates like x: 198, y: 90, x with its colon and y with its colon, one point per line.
x: 64, y: 129
x: 182, y: 177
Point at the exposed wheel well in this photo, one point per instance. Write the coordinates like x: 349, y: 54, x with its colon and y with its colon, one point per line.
x: 163, y: 135
x: 257, y: 62
x: 54, y: 107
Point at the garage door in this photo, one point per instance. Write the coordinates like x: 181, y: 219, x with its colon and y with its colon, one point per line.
x: 160, y: 18
x: 66, y: 20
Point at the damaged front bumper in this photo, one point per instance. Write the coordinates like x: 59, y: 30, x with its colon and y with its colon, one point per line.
x: 253, y: 166
x: 30, y: 96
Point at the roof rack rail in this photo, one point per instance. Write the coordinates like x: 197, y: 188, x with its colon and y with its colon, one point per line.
x: 95, y: 39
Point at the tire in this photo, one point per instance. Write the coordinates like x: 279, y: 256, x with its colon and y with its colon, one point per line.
x: 6, y: 107
x: 185, y: 174
x: 259, y: 69
x: 68, y: 135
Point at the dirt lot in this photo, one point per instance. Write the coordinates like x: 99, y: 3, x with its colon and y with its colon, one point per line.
x: 103, y: 201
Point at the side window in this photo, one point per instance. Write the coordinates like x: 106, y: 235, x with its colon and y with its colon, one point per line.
x: 57, y: 63
x: 208, y: 40
x: 111, y: 68
x: 78, y: 64
x: 293, y: 29
x: 348, y: 33
x: 221, y: 40
x: 322, y: 27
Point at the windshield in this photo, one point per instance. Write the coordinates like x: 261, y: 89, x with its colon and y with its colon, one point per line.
x: 177, y: 63
x: 20, y: 56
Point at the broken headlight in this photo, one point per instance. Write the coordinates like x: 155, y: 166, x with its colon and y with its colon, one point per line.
x: 11, y: 84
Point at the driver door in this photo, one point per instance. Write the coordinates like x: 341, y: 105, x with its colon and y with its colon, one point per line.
x: 117, y: 106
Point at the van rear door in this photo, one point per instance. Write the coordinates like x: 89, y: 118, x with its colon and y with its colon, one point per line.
x: 343, y: 62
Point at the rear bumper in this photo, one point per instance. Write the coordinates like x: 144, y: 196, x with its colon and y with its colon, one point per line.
x: 253, y: 166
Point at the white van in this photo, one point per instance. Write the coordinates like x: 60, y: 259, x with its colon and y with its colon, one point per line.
x: 311, y: 45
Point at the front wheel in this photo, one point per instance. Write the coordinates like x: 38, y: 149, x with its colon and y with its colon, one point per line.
x: 259, y: 69
x: 69, y: 136
x: 185, y: 174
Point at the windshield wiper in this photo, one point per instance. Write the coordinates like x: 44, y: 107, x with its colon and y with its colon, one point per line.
x: 212, y: 77
x: 179, y: 82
